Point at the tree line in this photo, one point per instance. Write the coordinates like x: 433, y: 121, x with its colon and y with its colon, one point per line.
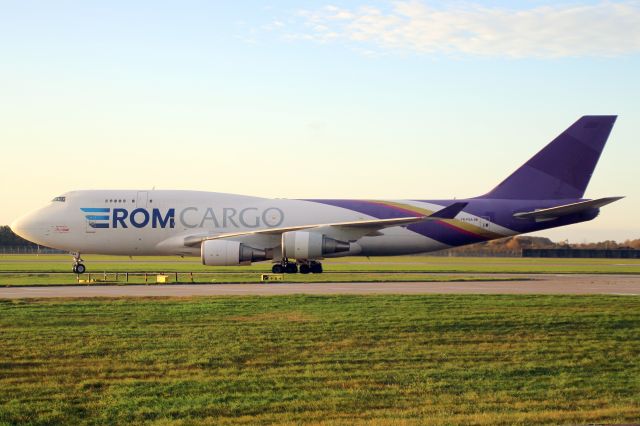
x: 504, y: 246
x: 8, y: 238
x: 513, y: 246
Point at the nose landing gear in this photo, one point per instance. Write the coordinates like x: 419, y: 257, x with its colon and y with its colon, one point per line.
x: 78, y: 265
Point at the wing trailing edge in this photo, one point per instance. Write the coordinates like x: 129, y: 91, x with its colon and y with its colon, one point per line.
x: 362, y: 227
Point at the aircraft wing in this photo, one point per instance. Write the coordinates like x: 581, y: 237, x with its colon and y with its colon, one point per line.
x: 558, y: 211
x: 347, y: 230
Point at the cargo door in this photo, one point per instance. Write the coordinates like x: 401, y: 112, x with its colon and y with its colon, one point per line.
x: 141, y: 203
x: 143, y: 198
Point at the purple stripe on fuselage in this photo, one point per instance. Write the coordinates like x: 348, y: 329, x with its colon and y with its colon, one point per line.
x: 445, y: 233
x: 497, y: 211
x: 438, y: 230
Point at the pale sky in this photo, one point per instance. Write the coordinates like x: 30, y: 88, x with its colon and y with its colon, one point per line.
x: 358, y: 99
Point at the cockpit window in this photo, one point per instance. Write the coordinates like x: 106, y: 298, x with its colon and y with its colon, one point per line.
x: 60, y: 199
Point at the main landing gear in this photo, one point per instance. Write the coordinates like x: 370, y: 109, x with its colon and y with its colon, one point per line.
x: 78, y: 265
x: 286, y: 267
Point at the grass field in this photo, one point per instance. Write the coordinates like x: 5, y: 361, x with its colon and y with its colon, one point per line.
x: 100, y: 263
x: 321, y: 360
x: 49, y: 279
x: 55, y: 269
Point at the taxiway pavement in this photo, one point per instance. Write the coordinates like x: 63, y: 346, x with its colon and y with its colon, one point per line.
x: 628, y: 285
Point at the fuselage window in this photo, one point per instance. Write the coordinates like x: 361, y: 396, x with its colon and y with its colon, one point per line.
x: 60, y: 199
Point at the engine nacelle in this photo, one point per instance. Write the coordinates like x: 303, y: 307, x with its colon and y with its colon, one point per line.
x: 310, y: 245
x: 229, y: 253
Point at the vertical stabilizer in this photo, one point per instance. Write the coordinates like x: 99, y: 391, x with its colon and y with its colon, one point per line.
x: 563, y: 168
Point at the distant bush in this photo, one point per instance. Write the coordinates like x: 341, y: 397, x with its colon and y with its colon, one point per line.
x: 8, y: 238
x: 512, y: 246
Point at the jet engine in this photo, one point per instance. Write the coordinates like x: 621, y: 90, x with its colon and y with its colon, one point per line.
x: 310, y: 245
x: 229, y: 253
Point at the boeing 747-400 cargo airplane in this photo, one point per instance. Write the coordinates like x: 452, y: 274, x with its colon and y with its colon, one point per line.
x: 225, y: 229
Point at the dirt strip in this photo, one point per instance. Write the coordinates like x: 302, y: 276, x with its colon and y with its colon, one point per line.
x: 536, y: 284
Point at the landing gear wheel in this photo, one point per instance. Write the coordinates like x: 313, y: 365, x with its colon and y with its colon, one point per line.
x: 277, y: 269
x: 316, y: 267
x: 78, y: 267
x: 304, y: 268
x: 291, y: 268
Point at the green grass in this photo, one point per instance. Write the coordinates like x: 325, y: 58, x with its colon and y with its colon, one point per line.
x: 48, y: 279
x: 22, y: 270
x: 321, y: 360
x: 98, y: 263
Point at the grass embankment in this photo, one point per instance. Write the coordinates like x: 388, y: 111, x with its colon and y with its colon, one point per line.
x: 323, y: 360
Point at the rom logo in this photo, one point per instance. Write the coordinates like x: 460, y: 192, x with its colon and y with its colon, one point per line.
x: 140, y: 218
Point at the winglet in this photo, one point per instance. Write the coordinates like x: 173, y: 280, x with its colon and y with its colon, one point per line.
x: 449, y: 212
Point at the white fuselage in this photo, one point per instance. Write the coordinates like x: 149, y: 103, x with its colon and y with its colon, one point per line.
x: 124, y: 222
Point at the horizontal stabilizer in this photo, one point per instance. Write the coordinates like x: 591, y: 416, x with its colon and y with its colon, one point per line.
x: 554, y: 212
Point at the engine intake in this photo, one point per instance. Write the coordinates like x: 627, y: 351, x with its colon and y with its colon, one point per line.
x: 310, y: 245
x: 229, y: 253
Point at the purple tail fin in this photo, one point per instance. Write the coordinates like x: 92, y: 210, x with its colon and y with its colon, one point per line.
x: 563, y: 168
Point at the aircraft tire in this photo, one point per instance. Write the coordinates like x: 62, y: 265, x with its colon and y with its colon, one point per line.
x: 291, y: 268
x: 304, y: 268
x: 79, y: 268
x: 316, y: 268
x: 277, y: 269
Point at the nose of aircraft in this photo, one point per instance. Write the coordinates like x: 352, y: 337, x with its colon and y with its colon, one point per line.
x: 17, y: 226
x: 27, y: 227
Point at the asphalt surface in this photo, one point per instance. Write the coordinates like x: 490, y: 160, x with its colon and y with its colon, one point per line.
x: 628, y: 285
